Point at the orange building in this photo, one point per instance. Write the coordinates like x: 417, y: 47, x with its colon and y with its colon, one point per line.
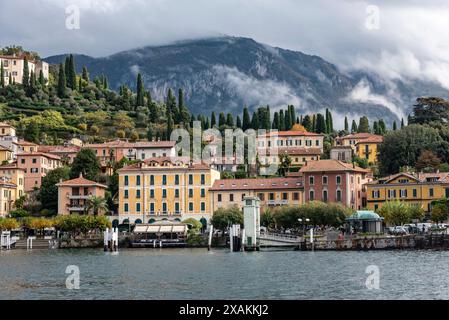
x: 73, y: 195
x: 36, y: 165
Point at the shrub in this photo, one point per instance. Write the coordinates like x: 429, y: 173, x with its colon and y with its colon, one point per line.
x: 19, y: 213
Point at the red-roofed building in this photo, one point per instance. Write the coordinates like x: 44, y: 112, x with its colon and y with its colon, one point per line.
x: 335, y: 181
x: 73, y: 195
x: 36, y: 165
x: 364, y: 145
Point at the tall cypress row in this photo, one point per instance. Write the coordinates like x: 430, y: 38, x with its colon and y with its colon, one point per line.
x: 246, y: 119
x: 26, y: 73
x: 140, y: 91
x: 346, y: 124
x: 61, y: 82
x: 2, y: 75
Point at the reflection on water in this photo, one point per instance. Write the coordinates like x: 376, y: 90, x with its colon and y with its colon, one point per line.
x: 218, y: 274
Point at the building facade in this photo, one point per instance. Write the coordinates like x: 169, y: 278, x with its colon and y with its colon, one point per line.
x: 364, y: 145
x: 13, y: 68
x: 160, y: 188
x: 335, y: 181
x: 73, y: 195
x: 413, y: 188
x: 36, y: 165
x: 291, y: 139
x: 272, y: 192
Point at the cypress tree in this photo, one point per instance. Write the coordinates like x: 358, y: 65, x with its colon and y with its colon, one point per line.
x: 288, y: 120
x: 171, y: 103
x: 239, y: 122
x: 246, y: 119
x: 221, y: 119
x: 292, y: 116
x: 402, y: 123
x: 320, y: 124
x: 395, y: 127
x: 230, y: 120
x: 354, y: 127
x: 61, y: 82
x: 375, y: 128
x: 71, y: 73
x: 41, y: 78
x: 255, y: 121
x: 307, y: 123
x: 267, y: 124
x: 213, y: 120
x: 314, y: 123
x: 281, y: 121
x: 66, y: 71
x: 363, y: 125
x: 140, y: 91
x: 150, y: 134
x: 331, y: 123
x: 2, y: 75
x: 85, y: 75
x: 346, y: 124
x: 297, y: 120
x: 26, y: 73
x: 382, y: 127
x: 276, y: 122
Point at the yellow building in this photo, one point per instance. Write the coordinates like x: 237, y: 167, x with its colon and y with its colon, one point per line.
x: 16, y: 175
x: 272, y: 192
x: 364, y: 145
x: 6, y: 155
x: 7, y: 196
x: 160, y: 188
x: 413, y: 188
x: 7, y: 130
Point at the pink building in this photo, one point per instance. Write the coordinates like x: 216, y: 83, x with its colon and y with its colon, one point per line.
x: 335, y: 181
x: 36, y: 165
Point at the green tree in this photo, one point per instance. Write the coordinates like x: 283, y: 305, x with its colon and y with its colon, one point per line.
x: 246, y: 119
x: 61, y: 82
x: 85, y: 74
x: 85, y: 162
x: 2, y: 75
x: 239, y: 122
x: 363, y: 125
x: 320, y: 124
x: 439, y: 213
x: 96, y: 205
x: 223, y: 218
x: 346, y: 124
x: 429, y: 110
x: 213, y: 120
x: 26, y: 72
x: 140, y: 91
x: 354, y: 127
x: 229, y: 120
x: 395, y: 212
x: 307, y: 123
x: 48, y: 193
x: 221, y: 120
x: 169, y: 127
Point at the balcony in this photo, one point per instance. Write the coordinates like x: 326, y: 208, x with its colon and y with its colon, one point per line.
x: 76, y: 208
x: 165, y: 214
x: 277, y: 202
x: 78, y: 197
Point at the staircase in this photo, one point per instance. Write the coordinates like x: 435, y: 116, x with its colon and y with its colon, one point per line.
x: 37, y: 244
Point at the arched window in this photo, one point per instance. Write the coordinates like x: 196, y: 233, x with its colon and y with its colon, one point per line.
x: 338, y: 196
x: 324, y: 195
x: 311, y: 195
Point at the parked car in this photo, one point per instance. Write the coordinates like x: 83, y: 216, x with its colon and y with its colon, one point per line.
x: 400, y: 230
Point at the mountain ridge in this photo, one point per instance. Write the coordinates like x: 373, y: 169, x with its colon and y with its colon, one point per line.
x: 227, y: 73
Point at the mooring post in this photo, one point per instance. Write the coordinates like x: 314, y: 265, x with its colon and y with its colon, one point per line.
x: 211, y: 231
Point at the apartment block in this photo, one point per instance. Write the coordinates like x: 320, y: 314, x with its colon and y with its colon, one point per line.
x: 36, y: 165
x: 163, y: 189
x: 364, y: 145
x: 13, y: 68
x: 272, y: 192
x: 291, y: 139
x: 413, y: 188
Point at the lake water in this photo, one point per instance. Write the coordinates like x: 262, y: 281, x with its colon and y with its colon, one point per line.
x: 219, y: 274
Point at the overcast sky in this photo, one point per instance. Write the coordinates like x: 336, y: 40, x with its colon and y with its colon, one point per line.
x: 410, y: 40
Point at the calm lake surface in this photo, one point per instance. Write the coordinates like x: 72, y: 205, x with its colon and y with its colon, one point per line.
x: 219, y: 274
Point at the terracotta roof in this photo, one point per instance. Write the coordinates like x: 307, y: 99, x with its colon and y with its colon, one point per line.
x: 59, y: 149
x: 110, y: 144
x: 341, y: 147
x: 331, y: 165
x: 256, y: 184
x: 363, y: 137
x: 372, y: 139
x: 4, y: 124
x: 43, y: 154
x: 440, y: 177
x: 154, y: 144
x: 81, y: 181
x: 292, y: 151
x: 26, y: 143
x: 183, y: 163
x: 292, y: 133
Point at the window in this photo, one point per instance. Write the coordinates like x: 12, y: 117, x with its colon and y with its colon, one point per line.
x: 176, y: 193
x: 126, y: 194
x: 219, y: 197
x: 126, y: 180
x: 164, y: 193
x: 311, y: 180
x: 151, y: 208
x: 317, y: 142
x: 203, y: 179
x: 375, y: 194
x: 164, y: 179
x: 376, y: 206
x: 311, y: 195
x: 177, y: 207
x: 338, y: 196
x: 324, y: 179
x: 190, y: 206
x: 190, y: 193
x: 296, y: 196
x: 261, y: 196
x: 138, y: 194
x: 338, y: 179
x: 231, y: 197
x: 203, y: 193
x: 137, y: 207
x: 203, y: 206
x: 271, y: 196
x: 414, y: 193
x: 284, y: 196
x: 325, y: 196
x: 177, y: 179
x: 190, y: 179
x: 22, y: 161
x: 152, y: 193
x: 152, y: 180
x: 403, y: 193
x: 164, y: 207
x: 430, y: 192
x: 391, y: 193
x: 138, y: 181
x: 126, y: 207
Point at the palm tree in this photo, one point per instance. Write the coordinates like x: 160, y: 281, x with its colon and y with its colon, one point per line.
x: 96, y: 204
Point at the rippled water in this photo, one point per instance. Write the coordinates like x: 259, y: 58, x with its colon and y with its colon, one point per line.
x: 199, y: 274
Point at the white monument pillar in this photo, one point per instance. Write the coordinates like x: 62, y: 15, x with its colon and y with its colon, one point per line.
x: 251, y: 221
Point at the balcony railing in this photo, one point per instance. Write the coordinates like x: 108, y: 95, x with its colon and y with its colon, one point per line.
x: 277, y: 202
x: 78, y: 196
x: 164, y: 213
x: 77, y: 208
